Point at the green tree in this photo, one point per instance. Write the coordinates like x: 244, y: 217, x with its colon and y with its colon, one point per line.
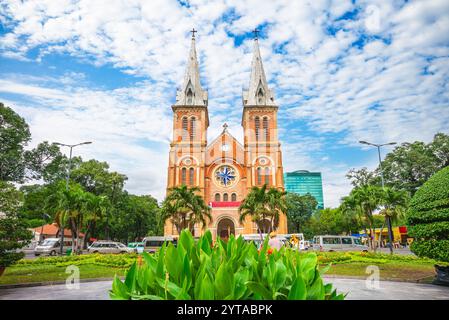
x: 43, y: 161
x: 409, y: 165
x: 276, y: 205
x: 394, y: 206
x: 428, y: 218
x: 264, y: 206
x: 365, y: 200
x: 363, y: 177
x: 95, y: 208
x: 69, y: 208
x: 14, y: 136
x: 299, y: 211
x: 185, y: 208
x: 94, y: 176
x: 13, y: 230
x: 33, y: 206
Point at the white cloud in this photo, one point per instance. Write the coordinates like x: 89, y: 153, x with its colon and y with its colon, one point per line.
x: 391, y: 85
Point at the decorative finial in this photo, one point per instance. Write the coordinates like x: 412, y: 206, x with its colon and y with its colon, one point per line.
x: 193, y: 33
x: 225, y: 127
x: 256, y: 33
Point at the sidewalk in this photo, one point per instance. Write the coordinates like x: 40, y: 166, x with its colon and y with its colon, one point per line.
x: 356, y: 288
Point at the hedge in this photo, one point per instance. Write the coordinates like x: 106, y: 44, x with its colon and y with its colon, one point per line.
x: 428, y: 218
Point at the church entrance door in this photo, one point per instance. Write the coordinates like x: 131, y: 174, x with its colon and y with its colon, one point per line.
x: 225, y: 228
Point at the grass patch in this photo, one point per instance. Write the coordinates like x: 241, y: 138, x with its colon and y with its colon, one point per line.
x: 353, y: 264
x: 388, y: 271
x: 49, y: 273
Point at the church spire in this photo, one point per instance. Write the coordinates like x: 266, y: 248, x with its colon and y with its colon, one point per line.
x: 258, y: 92
x: 191, y: 92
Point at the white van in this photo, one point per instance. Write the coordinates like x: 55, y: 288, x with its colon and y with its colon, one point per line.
x: 52, y: 247
x: 256, y: 238
x: 338, y: 243
x: 153, y: 243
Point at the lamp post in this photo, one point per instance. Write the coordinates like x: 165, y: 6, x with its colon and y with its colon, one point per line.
x: 71, y: 146
x: 390, y: 231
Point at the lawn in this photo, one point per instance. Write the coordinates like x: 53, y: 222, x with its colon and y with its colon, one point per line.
x: 50, y: 269
x: 349, y: 264
x: 51, y: 273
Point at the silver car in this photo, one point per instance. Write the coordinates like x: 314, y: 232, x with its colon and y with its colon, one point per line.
x: 108, y: 247
x: 51, y: 247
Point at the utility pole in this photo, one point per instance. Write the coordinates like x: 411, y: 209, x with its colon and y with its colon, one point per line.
x: 390, y: 231
x: 71, y: 146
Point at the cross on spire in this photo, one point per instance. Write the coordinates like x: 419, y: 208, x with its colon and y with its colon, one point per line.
x: 256, y: 33
x: 193, y: 33
x: 225, y: 127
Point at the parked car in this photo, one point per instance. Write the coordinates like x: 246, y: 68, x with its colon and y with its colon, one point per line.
x: 52, y: 246
x: 153, y: 243
x: 338, y: 243
x: 108, y: 247
x: 138, y: 247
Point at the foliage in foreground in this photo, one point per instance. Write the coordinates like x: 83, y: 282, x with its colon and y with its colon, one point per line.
x: 233, y: 270
x: 428, y: 218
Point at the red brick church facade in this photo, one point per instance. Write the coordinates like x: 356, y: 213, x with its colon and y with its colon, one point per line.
x: 225, y: 170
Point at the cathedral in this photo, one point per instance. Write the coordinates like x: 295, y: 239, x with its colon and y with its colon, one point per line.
x: 225, y: 170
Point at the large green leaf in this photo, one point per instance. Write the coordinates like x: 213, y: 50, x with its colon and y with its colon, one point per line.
x: 173, y: 262
x: 298, y: 290
x: 206, y: 289
x: 119, y: 290
x: 259, y: 289
x: 131, y: 276
x: 224, y: 281
x: 280, y: 275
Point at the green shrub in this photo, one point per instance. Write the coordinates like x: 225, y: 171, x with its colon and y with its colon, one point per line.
x: 233, y: 270
x: 108, y: 260
x: 428, y: 218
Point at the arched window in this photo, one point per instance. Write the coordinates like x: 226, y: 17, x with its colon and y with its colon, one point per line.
x: 257, y: 126
x: 260, y: 95
x: 267, y: 176
x: 191, y: 176
x: 233, y: 197
x: 184, y: 128
x: 266, y: 129
x: 192, y: 127
x: 217, y: 197
x: 189, y: 96
x: 225, y: 197
x: 259, y: 176
x: 183, y: 175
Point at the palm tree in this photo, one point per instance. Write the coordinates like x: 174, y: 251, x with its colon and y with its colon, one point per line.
x: 262, y: 204
x: 395, y: 205
x: 68, y: 205
x: 185, y: 208
x: 276, y: 205
x: 95, y: 208
x: 365, y: 199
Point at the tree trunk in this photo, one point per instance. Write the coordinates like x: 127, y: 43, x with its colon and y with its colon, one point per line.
x: 381, y: 230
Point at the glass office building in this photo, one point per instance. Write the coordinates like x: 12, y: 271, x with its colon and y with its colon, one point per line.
x: 303, y: 182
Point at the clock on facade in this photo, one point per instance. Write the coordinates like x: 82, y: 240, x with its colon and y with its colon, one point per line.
x: 225, y: 176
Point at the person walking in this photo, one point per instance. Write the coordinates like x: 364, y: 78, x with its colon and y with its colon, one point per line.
x: 274, y: 242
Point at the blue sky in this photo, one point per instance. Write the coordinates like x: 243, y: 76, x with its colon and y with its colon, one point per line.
x: 342, y: 71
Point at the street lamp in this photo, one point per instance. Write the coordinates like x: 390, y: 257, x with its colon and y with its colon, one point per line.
x: 71, y: 146
x: 390, y: 231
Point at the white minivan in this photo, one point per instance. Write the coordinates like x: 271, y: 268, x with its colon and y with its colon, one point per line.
x: 52, y: 247
x: 338, y: 243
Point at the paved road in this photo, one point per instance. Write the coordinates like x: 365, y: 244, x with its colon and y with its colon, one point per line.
x: 356, y: 289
